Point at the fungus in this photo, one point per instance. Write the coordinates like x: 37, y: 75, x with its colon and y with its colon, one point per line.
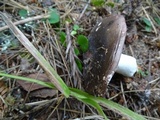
x: 106, y: 42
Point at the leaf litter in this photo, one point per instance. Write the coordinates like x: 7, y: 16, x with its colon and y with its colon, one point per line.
x: 140, y: 93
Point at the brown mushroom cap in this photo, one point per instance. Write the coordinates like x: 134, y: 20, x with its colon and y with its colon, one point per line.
x: 106, y: 42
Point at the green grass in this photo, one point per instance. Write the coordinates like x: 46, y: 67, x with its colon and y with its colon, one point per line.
x: 57, y: 83
x: 96, y: 102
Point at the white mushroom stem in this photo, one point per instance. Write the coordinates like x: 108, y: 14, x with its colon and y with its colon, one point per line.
x: 127, y: 66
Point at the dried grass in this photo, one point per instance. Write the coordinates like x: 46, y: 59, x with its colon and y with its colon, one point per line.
x: 45, y: 38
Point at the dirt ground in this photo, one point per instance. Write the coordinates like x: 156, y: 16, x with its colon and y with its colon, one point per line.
x: 28, y: 101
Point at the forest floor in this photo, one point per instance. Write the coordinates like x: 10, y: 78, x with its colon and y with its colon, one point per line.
x: 55, y: 37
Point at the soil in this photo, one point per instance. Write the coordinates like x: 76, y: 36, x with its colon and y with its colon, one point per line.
x: 22, y: 101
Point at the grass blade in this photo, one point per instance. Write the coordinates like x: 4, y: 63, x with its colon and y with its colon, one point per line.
x: 87, y: 99
x: 119, y: 109
x: 46, y: 84
x: 54, y: 77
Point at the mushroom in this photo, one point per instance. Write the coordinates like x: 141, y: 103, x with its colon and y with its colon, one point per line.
x: 106, y: 42
x: 127, y: 66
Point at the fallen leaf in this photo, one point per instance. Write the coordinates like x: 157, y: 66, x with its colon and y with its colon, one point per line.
x: 28, y: 86
x: 43, y: 93
x: 37, y: 90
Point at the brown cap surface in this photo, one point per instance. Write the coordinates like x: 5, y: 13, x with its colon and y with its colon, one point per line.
x: 106, y: 42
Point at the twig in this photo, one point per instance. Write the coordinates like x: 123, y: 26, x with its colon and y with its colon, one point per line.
x: 150, y: 20
x: 21, y: 6
x: 155, y: 80
x: 54, y: 77
x: 93, y: 117
x: 156, y: 39
x: 67, y: 12
x: 72, y: 58
x: 124, y: 98
x: 26, y: 20
x: 84, y: 10
x: 68, y: 38
x: 130, y: 47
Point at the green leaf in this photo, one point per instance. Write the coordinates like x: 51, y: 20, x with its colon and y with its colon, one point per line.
x: 87, y: 99
x: 146, y: 21
x: 69, y: 20
x: 119, y: 109
x: 143, y: 73
x: 110, y: 4
x: 79, y: 94
x: 46, y: 84
x: 98, y: 3
x: 76, y: 27
x: 79, y: 64
x: 73, y: 32
x: 92, y: 100
x: 83, y: 43
x: 76, y: 51
x: 23, y: 13
x: 157, y: 20
x: 63, y: 38
x: 54, y: 16
x: 96, y: 106
x: 52, y: 74
x: 148, y: 28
